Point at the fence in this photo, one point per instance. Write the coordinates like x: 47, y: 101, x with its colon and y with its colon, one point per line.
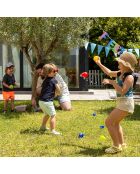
x: 95, y: 79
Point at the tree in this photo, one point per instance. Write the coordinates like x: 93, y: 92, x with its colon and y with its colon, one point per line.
x: 43, y: 35
x: 124, y: 30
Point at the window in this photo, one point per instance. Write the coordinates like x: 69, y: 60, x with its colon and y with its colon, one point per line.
x: 9, y: 54
x: 68, y: 64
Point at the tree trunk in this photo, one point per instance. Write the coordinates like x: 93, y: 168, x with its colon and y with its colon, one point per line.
x: 34, y: 83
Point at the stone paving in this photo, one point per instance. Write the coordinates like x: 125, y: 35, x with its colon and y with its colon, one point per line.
x: 91, y: 94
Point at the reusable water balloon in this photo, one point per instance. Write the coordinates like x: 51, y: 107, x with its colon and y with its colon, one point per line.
x: 81, y: 135
x: 96, y: 58
x: 84, y: 75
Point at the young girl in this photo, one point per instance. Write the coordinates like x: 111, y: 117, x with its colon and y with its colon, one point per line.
x: 125, y: 102
x: 8, y: 83
x: 46, y: 98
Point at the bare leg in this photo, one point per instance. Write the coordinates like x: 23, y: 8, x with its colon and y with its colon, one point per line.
x: 44, y: 121
x: 115, y: 130
x: 66, y: 106
x: 52, y: 122
x: 12, y: 104
x: 120, y: 134
x: 5, y: 104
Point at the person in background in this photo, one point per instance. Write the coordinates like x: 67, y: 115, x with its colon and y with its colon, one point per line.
x: 35, y: 99
x: 49, y: 86
x: 8, y: 84
x: 64, y: 98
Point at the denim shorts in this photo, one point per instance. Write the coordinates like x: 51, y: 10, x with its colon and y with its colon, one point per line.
x: 47, y: 108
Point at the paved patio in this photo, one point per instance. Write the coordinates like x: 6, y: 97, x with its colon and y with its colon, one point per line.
x: 91, y: 94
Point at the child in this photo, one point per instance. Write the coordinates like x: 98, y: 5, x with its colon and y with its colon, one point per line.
x: 46, y: 98
x: 8, y: 83
x: 35, y: 98
x: 64, y: 98
x: 125, y: 102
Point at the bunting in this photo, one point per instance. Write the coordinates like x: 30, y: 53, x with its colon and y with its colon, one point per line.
x: 103, y: 36
x: 130, y: 50
x: 107, y: 51
x: 112, y: 46
x: 100, y: 47
x: 137, y: 51
x: 93, y: 45
x: 86, y: 45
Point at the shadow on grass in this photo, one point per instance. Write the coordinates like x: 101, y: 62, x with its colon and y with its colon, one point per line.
x: 10, y: 115
x: 33, y: 131
x: 89, y: 151
x: 136, y: 114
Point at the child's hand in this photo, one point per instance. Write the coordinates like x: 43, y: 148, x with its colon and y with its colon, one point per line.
x: 106, y: 81
x: 96, y: 59
x: 11, y: 86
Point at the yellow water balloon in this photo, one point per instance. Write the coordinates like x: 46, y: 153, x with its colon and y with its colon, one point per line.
x: 96, y: 58
x: 102, y: 138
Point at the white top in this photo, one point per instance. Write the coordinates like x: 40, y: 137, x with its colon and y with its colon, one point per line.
x: 63, y: 85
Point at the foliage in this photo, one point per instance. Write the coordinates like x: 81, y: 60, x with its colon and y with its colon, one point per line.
x: 42, y: 35
x: 20, y: 135
x: 124, y: 30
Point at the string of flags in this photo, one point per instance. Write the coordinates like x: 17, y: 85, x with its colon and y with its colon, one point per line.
x: 111, y: 46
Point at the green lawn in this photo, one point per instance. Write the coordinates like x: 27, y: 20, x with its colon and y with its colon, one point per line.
x: 20, y: 136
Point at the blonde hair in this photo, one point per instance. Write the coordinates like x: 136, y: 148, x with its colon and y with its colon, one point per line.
x: 54, y: 66
x: 47, y: 69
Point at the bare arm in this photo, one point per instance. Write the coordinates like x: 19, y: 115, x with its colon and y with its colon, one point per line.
x: 57, y: 90
x: 105, y: 69
x: 126, y: 85
x: 4, y: 84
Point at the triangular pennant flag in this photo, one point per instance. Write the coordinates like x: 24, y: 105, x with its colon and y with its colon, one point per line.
x: 104, y: 36
x: 137, y: 51
x: 92, y: 47
x: 86, y: 45
x: 116, y: 47
x: 130, y: 50
x: 116, y: 55
x: 107, y: 49
x: 111, y: 44
x: 99, y: 49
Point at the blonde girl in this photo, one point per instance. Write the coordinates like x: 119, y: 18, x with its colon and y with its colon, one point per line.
x: 125, y: 102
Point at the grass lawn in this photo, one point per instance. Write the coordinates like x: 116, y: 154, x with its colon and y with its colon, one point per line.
x: 20, y: 135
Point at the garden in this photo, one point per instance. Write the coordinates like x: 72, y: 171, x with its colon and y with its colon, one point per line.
x: 83, y: 132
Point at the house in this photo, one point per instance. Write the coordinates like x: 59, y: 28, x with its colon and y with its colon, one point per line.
x: 71, y: 64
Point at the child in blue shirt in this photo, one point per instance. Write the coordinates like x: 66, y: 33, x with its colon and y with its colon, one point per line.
x: 49, y: 86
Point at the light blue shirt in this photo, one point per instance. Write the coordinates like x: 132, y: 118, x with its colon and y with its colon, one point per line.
x: 129, y: 93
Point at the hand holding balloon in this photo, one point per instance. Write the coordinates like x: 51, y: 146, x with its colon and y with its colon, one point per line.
x: 11, y: 86
x: 96, y: 59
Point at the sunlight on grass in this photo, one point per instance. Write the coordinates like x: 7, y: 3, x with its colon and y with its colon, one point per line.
x: 20, y: 135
